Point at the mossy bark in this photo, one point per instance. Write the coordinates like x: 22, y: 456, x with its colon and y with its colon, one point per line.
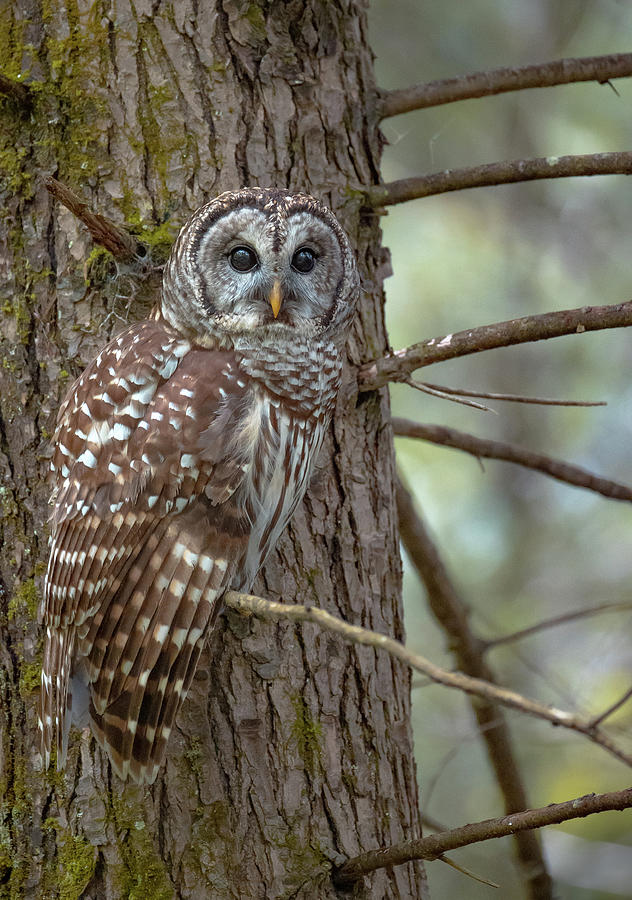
x: 293, y: 748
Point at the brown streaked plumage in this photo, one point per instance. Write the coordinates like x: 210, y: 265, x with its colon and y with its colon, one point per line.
x: 180, y: 454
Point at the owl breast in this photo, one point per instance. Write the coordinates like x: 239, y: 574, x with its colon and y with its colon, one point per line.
x: 284, y: 439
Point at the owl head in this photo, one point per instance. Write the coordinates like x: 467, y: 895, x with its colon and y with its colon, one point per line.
x: 260, y: 264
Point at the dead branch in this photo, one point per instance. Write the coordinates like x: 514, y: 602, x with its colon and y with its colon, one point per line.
x: 452, y: 615
x: 613, y: 708
x: 499, y: 81
x: 553, y: 622
x: 434, y: 845
x: 15, y: 90
x: 268, y: 609
x: 121, y: 244
x: 507, y: 172
x: 452, y: 396
x: 512, y: 398
x: 399, y: 364
x: 468, y: 872
x: 489, y: 449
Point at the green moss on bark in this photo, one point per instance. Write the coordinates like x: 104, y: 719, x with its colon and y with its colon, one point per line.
x: 77, y: 859
x: 16, y: 809
x: 72, y: 870
x: 307, y: 733
x: 30, y: 678
x: 141, y: 873
x: 24, y: 602
x: 304, y: 863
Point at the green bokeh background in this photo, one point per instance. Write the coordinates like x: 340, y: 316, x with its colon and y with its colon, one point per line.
x: 520, y: 546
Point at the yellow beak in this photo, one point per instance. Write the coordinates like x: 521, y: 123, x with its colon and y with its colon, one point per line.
x: 275, y: 298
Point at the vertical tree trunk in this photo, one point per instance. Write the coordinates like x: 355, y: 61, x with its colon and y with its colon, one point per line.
x: 293, y: 749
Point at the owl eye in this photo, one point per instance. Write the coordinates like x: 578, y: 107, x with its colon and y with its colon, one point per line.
x: 243, y: 259
x: 303, y: 260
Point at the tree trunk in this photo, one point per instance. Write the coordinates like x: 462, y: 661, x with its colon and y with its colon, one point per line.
x: 293, y: 749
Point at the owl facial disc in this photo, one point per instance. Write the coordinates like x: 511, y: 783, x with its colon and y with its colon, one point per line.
x: 256, y: 262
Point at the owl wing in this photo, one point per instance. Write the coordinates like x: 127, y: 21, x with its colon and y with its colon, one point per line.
x: 146, y: 536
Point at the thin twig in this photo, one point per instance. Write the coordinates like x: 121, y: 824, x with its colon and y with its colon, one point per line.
x: 15, y: 90
x: 436, y: 391
x: 611, y: 709
x: 499, y: 81
x: 506, y: 172
x: 268, y: 609
x: 398, y: 365
x: 452, y: 614
x: 513, y: 398
x: 553, y: 623
x: 489, y: 449
x: 468, y: 872
x: 121, y: 244
x: 432, y: 846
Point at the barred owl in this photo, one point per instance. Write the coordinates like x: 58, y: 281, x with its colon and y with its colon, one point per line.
x: 180, y: 454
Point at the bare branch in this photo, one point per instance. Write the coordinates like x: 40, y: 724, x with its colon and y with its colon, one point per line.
x: 121, y: 244
x: 611, y: 709
x: 15, y: 90
x: 398, y: 365
x: 452, y: 614
x: 513, y: 398
x: 452, y: 396
x: 499, y: 81
x: 554, y: 622
x: 434, y: 845
x: 468, y: 872
x: 268, y: 609
x: 482, y: 447
x: 507, y: 172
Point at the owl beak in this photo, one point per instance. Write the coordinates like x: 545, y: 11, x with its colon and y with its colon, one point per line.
x: 275, y: 298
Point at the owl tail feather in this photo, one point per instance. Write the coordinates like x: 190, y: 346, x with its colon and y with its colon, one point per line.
x: 137, y: 748
x: 134, y: 722
x: 56, y: 696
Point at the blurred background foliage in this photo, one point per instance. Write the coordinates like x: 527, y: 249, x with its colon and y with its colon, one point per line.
x: 520, y: 546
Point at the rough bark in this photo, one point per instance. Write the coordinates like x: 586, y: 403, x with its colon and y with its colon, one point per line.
x: 293, y: 749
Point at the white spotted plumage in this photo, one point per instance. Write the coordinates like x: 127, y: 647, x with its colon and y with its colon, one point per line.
x: 180, y: 455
